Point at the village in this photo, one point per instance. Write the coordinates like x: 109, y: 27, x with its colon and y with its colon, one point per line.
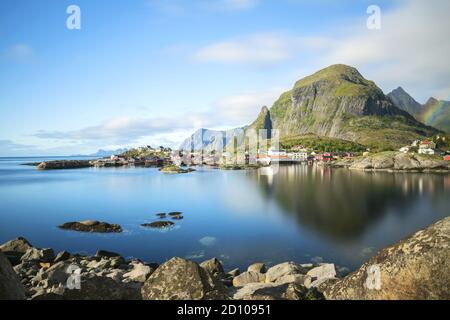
x: 161, y: 156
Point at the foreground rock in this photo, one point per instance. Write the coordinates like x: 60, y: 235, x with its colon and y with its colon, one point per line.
x: 270, y: 291
x: 180, y: 279
x: 394, y: 161
x: 416, y: 268
x: 64, y: 164
x: 92, y: 226
x: 10, y: 286
x: 15, y: 249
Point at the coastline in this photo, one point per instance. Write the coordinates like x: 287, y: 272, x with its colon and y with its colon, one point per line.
x: 419, y: 263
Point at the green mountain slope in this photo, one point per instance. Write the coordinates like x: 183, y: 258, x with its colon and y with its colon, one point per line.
x: 339, y: 102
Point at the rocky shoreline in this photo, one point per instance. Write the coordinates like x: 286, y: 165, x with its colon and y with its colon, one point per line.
x: 393, y: 162
x: 415, y: 268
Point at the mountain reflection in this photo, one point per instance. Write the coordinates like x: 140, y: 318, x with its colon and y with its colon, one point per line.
x: 341, y: 204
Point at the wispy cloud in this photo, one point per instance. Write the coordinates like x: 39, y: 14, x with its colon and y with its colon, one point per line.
x: 182, y: 7
x: 229, y: 111
x: 19, y: 52
x: 8, y: 147
x: 264, y: 48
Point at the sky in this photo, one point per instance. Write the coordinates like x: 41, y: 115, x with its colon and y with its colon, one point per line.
x: 150, y: 72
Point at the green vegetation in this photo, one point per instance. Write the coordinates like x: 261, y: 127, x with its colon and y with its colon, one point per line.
x: 381, y: 133
x: 320, y: 144
x: 175, y: 169
x: 146, y: 152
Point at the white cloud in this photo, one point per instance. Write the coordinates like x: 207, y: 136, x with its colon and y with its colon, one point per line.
x: 410, y: 50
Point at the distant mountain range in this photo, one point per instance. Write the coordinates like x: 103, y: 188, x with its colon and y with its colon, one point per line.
x: 338, y: 102
x: 435, y: 113
x: 103, y: 153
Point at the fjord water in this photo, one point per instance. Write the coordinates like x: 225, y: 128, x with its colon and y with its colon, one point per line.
x: 301, y: 214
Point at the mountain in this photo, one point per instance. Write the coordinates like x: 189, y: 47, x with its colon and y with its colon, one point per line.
x: 404, y: 101
x: 207, y: 140
x: 104, y: 153
x: 338, y: 102
x: 436, y: 113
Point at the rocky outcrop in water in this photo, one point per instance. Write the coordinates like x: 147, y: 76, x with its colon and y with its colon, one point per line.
x: 394, y: 161
x: 91, y: 226
x: 416, y: 268
x: 64, y: 164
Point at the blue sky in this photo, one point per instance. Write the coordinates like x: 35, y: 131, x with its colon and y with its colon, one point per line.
x: 152, y: 71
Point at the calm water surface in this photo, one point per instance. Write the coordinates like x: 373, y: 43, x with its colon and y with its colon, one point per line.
x: 302, y: 213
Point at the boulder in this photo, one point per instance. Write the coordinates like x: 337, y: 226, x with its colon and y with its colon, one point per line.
x: 234, y: 273
x: 91, y: 226
x: 284, y: 269
x: 14, y: 249
x: 416, y: 268
x: 180, y: 279
x: 39, y: 255
x: 213, y: 266
x: 270, y: 291
x: 139, y: 273
x: 95, y: 287
x: 62, y: 256
x: 10, y: 286
x: 323, y: 271
x: 257, y: 267
x: 302, y: 279
x: 107, y: 254
x: 248, y: 277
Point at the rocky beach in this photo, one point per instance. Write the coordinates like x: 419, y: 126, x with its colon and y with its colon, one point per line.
x: 414, y: 268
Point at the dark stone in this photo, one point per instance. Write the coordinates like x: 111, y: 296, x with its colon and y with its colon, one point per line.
x: 107, y: 254
x: 62, y: 256
x: 175, y: 213
x: 159, y: 224
x: 10, y: 285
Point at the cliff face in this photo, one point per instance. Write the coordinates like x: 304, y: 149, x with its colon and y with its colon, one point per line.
x: 338, y: 102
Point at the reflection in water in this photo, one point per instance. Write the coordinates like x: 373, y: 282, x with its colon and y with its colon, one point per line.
x: 341, y: 204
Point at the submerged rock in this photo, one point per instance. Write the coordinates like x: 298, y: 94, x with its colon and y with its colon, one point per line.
x: 175, y: 169
x: 159, y: 224
x: 416, y: 268
x: 91, y: 226
x: 10, y: 286
x: 180, y: 279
